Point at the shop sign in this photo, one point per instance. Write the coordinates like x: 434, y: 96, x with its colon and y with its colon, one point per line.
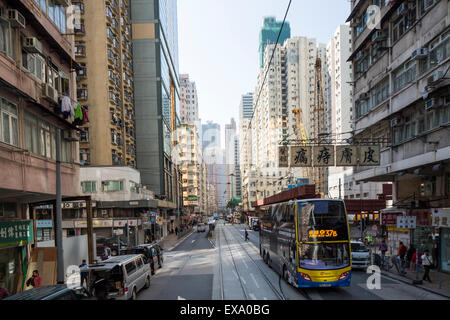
x: 323, y: 156
x: 390, y: 218
x: 134, y: 203
x: 15, y: 233
x: 406, y: 222
x: 132, y: 223
x: 441, y: 218
x: 300, y: 156
x: 159, y: 221
x: 120, y: 223
x: 346, y: 156
x: 423, y: 217
x: 44, y: 224
x: 283, y: 160
x: 95, y: 224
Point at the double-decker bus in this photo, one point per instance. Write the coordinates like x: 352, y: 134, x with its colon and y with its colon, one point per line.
x: 307, y: 242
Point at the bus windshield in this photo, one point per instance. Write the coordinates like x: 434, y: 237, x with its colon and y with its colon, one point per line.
x: 320, y: 220
x: 322, y: 256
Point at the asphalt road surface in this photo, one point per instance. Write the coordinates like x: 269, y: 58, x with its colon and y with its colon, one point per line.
x: 225, y: 267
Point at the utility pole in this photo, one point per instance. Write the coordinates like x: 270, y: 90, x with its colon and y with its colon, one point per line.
x: 59, y: 240
x: 340, y: 197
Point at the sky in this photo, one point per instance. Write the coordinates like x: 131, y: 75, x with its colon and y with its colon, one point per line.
x: 218, y: 44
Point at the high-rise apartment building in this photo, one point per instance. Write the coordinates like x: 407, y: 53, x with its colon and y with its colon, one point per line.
x: 246, y: 106
x: 156, y: 91
x: 233, y: 180
x: 402, y: 104
x: 105, y: 82
x: 269, y: 34
x: 188, y: 100
x: 289, y: 85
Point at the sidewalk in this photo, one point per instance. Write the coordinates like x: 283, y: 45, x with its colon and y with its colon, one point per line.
x: 440, y: 281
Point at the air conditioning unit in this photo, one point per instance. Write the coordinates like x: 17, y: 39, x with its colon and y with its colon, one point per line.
x: 379, y: 36
x: 3, y: 15
x: 49, y: 93
x: 364, y: 96
x: 396, y: 122
x: 16, y: 19
x: 435, y: 77
x: 32, y: 45
x: 71, y: 135
x: 420, y: 53
x: 432, y: 103
x: 64, y: 3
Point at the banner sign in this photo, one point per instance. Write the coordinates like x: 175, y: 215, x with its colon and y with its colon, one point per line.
x: 346, y: 156
x: 323, y: 156
x: 329, y: 156
x: 300, y: 156
x: 283, y: 157
x: 44, y: 224
x: 16, y: 233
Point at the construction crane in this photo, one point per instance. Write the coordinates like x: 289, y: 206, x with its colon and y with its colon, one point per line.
x: 319, y: 126
x: 301, y: 136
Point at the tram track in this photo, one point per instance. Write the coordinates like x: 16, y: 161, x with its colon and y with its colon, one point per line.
x: 279, y: 294
x: 301, y: 291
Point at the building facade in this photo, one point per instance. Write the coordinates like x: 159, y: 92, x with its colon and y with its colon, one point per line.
x: 36, y: 72
x: 188, y: 100
x: 105, y: 82
x: 269, y: 34
x: 401, y: 100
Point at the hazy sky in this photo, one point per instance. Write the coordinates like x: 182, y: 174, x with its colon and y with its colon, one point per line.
x: 218, y: 44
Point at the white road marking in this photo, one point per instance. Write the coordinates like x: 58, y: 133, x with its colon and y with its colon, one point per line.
x: 252, y: 296
x: 265, y: 298
x: 243, y: 280
x: 254, y: 279
x: 181, y: 298
x: 193, y: 241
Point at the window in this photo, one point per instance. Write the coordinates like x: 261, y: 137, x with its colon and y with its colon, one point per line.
x: 88, y: 186
x: 404, y: 75
x: 134, y: 187
x: 5, y: 38
x: 380, y: 92
x: 9, y: 124
x: 84, y: 135
x: 130, y: 267
x: 112, y: 185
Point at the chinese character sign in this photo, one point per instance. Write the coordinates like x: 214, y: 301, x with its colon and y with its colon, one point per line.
x: 346, y: 156
x: 300, y: 156
x: 16, y: 232
x: 323, y: 156
x: 369, y: 155
x: 283, y: 157
x: 441, y: 218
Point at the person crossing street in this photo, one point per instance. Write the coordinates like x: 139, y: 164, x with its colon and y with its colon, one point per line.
x: 246, y: 235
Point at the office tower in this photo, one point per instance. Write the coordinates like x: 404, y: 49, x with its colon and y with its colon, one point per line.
x: 269, y: 33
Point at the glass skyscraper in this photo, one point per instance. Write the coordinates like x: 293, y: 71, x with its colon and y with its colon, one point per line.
x: 269, y: 33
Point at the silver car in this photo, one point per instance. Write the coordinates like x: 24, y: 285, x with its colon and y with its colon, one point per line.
x: 119, y: 277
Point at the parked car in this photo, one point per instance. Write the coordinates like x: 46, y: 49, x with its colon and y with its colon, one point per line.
x: 255, y: 225
x: 201, y: 227
x: 153, y: 254
x: 113, y: 244
x: 55, y: 292
x: 119, y: 277
x: 360, y: 255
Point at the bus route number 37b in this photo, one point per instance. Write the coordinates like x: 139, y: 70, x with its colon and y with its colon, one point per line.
x: 322, y: 233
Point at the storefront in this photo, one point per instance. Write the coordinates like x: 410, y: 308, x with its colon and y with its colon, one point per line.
x: 44, y: 230
x: 14, y: 237
x: 393, y: 234
x: 441, y: 220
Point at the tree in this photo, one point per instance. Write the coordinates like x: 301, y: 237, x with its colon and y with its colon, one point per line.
x: 233, y: 203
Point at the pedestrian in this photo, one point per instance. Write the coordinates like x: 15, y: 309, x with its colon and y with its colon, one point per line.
x: 246, y: 235
x: 427, y: 262
x: 3, y: 293
x: 83, y: 274
x: 176, y: 231
x: 416, y: 261
x: 383, y: 249
x: 402, y: 249
x: 409, y: 255
x: 35, y: 280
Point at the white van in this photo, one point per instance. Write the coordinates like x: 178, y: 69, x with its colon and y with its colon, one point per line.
x: 119, y: 277
x: 360, y: 255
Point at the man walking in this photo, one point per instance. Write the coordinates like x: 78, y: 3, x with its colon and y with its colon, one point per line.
x: 83, y: 274
x: 427, y: 262
x: 402, y: 249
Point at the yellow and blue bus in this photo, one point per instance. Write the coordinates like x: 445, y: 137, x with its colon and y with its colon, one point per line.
x: 307, y: 242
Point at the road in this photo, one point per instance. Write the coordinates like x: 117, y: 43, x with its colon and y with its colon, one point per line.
x: 228, y: 268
